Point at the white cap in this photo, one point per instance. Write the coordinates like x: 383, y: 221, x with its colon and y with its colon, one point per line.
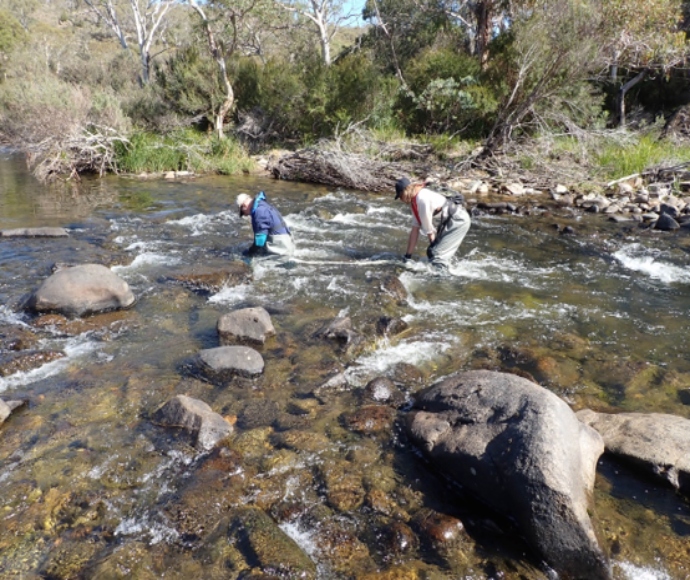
x: 242, y: 198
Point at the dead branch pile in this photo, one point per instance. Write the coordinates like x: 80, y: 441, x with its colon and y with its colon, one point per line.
x: 346, y: 170
x: 92, y: 151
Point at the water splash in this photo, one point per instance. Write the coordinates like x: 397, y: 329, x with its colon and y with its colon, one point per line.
x: 639, y: 259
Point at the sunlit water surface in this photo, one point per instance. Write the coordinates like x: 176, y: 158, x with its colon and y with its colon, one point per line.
x: 90, y: 486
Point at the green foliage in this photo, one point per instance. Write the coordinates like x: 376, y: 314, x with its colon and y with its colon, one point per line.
x: 408, y: 31
x: 444, y: 95
x: 190, y: 83
x: 618, y: 159
x: 11, y: 33
x: 186, y: 150
x: 307, y: 100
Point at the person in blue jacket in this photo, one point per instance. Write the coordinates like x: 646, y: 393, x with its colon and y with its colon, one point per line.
x: 271, y: 234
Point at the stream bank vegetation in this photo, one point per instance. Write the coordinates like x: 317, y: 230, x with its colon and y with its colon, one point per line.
x: 558, y: 91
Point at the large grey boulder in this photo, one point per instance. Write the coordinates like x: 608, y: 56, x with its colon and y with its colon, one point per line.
x: 225, y: 361
x: 194, y: 416
x: 659, y: 443
x: 81, y: 290
x: 252, y: 325
x: 520, y: 449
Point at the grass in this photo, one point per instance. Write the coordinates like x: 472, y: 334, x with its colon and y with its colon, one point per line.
x: 185, y: 150
x: 616, y: 159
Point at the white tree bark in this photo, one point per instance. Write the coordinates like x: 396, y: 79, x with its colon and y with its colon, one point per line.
x: 325, y: 15
x: 229, y: 102
x: 148, y: 21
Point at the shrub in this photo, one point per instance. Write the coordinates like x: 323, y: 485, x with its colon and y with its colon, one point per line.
x: 444, y: 95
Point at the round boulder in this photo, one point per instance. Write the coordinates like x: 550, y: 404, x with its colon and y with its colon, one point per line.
x: 252, y: 325
x: 225, y: 361
x: 81, y: 290
x: 522, y: 450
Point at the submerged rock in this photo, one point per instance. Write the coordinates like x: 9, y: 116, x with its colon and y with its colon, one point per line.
x: 389, y: 326
x: 16, y: 338
x: 194, y: 416
x: 207, y: 280
x: 659, y: 443
x: 81, y: 290
x: 7, y: 407
x: 264, y: 544
x: 521, y: 449
x: 382, y: 390
x: 252, y: 325
x: 46, y: 232
x: 26, y: 360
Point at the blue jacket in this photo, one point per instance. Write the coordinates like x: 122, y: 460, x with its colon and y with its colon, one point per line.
x: 266, y: 220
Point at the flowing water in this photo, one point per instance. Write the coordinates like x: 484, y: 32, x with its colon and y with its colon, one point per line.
x: 91, y: 488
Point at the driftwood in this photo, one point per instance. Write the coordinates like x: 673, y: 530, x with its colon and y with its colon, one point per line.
x: 346, y: 170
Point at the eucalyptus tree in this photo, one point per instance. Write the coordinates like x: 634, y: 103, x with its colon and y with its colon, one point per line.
x: 145, y: 19
x: 400, y: 31
x: 555, y: 50
x: 324, y: 16
x: 231, y: 28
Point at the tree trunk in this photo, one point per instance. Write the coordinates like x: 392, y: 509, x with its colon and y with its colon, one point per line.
x: 229, y: 102
x: 623, y: 91
x: 483, y: 13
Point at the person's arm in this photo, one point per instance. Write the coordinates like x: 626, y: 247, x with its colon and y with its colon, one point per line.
x: 261, y: 224
x: 412, y: 241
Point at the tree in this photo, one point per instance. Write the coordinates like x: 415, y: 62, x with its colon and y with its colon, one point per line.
x: 554, y: 50
x: 229, y: 29
x: 325, y: 15
x: 145, y: 17
x: 649, y: 42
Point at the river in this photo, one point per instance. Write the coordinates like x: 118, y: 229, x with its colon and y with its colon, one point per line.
x: 92, y: 488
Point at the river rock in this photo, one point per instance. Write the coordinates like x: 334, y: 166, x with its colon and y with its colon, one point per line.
x: 657, y: 442
x: 389, y: 326
x: 340, y: 330
x: 437, y: 529
x: 26, y: 360
x: 206, y: 279
x: 225, y: 361
x: 520, y: 449
x: 382, y: 390
x: 81, y: 290
x: 6, y: 408
x: 393, y: 287
x: 260, y: 539
x: 666, y: 223
x: 35, y: 233
x: 370, y: 419
x: 16, y: 338
x: 251, y: 325
x: 194, y: 416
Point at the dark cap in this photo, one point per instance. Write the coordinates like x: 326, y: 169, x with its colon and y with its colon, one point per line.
x: 400, y: 186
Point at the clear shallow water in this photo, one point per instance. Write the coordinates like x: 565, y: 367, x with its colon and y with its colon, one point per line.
x: 598, y: 317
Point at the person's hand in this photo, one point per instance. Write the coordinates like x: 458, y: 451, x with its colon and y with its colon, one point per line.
x: 254, y: 250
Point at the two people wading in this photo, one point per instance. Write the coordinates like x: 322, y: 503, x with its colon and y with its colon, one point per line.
x: 444, y: 221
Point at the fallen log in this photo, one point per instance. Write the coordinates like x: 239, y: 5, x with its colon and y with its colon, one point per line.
x: 349, y: 171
